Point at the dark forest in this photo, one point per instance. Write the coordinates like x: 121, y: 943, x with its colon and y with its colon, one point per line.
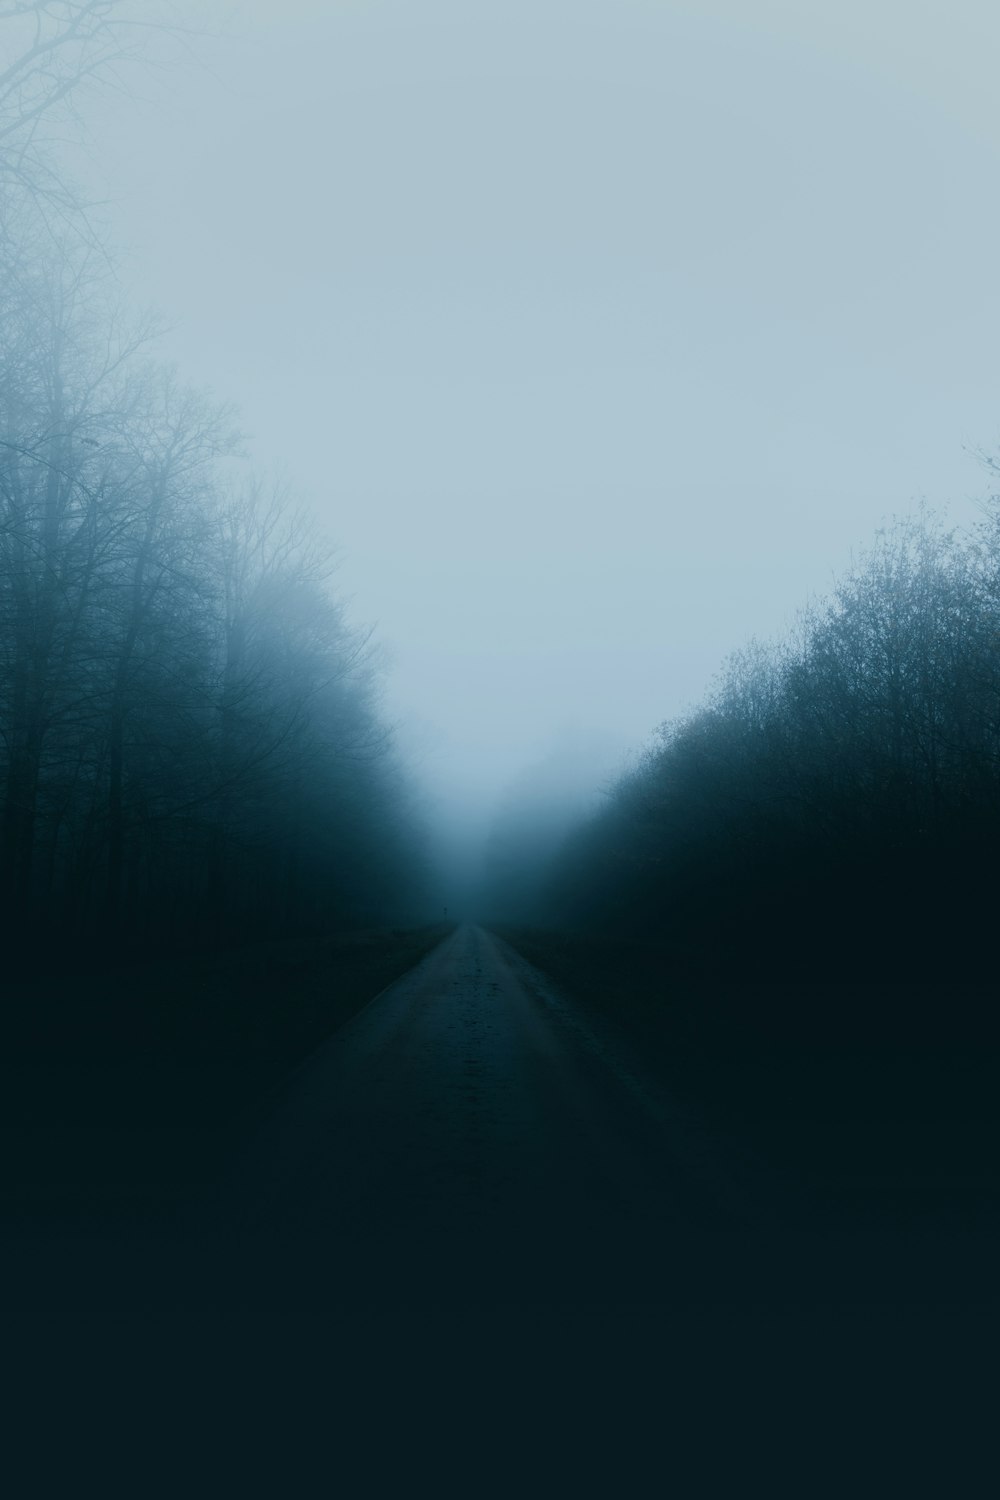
x: 689, y: 1066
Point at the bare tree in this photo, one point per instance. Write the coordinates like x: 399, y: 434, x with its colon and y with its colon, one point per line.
x: 52, y: 54
x: 189, y: 726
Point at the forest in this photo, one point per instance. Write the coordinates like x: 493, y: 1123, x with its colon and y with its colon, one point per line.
x: 412, y: 1060
x: 787, y: 903
x: 194, y: 756
x: 822, y: 829
x: 191, y: 743
x: 831, y: 811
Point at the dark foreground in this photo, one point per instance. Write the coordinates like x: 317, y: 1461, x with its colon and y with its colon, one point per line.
x: 123, y: 1089
x: 473, y: 1134
x: 472, y: 1223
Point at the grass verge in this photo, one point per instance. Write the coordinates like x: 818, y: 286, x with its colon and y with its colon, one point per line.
x: 131, y: 1085
x: 885, y: 1121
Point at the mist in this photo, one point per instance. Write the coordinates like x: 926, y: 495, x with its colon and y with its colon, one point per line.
x: 597, y: 341
x: 499, y: 699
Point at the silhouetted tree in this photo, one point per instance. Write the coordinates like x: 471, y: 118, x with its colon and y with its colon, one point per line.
x: 190, y: 740
x: 836, y: 801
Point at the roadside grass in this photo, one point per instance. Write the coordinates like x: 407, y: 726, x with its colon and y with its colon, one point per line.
x: 866, y: 1105
x: 130, y: 1085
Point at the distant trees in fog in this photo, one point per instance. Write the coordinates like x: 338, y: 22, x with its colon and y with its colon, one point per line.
x: 49, y: 51
x: 189, y: 731
x: 838, y: 793
x: 536, y: 813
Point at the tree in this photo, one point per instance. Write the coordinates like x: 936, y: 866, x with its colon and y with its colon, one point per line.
x: 843, y: 787
x: 51, y: 50
x: 189, y: 730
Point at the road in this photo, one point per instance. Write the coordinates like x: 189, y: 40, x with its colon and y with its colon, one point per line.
x: 467, y: 1228
x: 469, y: 1129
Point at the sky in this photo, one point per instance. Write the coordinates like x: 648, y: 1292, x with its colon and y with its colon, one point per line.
x: 599, y: 335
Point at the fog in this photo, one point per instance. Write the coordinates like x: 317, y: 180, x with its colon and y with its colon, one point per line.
x: 499, y: 688
x: 598, y: 335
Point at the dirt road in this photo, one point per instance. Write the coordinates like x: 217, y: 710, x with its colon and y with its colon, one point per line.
x: 471, y: 1225
x: 469, y: 1129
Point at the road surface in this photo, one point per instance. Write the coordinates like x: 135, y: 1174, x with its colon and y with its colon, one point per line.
x: 469, y: 1227
x: 469, y: 1130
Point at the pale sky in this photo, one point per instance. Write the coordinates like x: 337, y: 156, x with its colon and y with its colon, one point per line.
x: 598, y: 334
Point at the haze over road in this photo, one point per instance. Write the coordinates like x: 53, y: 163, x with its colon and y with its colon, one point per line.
x: 468, y: 1124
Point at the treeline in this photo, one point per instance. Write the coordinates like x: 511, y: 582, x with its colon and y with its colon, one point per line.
x: 190, y: 741
x: 537, y: 811
x: 832, y: 812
